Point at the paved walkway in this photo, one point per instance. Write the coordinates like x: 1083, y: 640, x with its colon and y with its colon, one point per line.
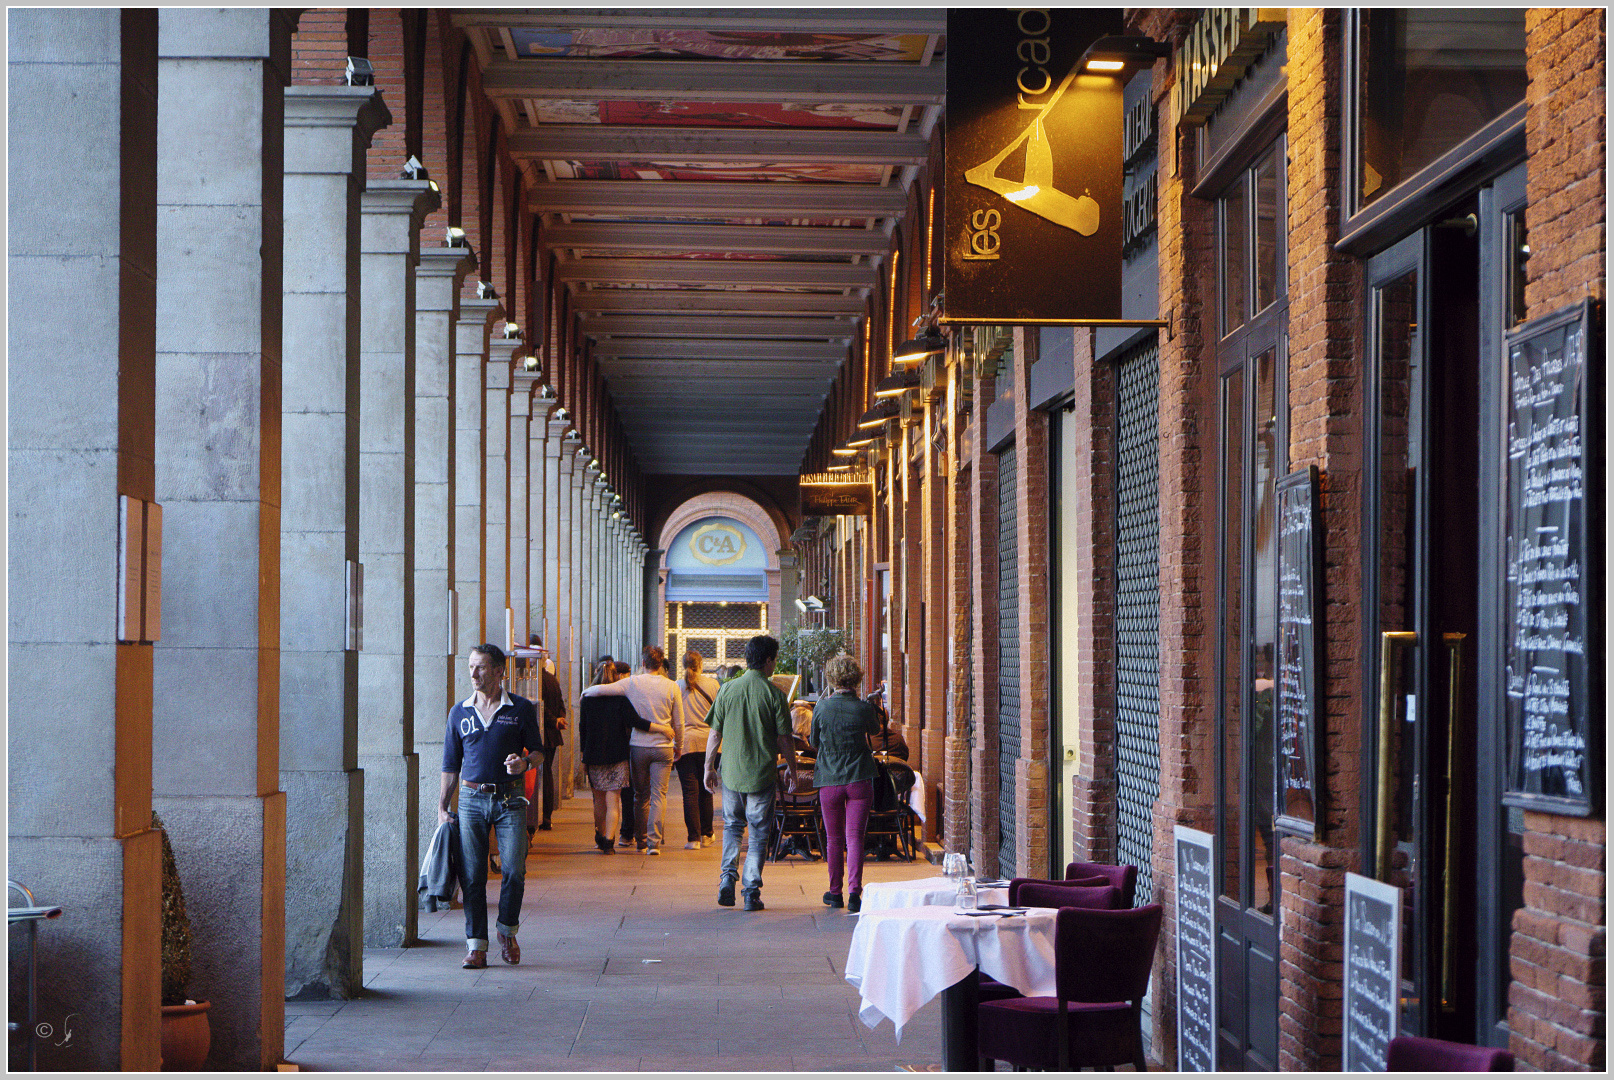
x: 627, y: 964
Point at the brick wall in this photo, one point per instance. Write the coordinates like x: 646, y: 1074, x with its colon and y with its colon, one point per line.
x: 1187, y: 521
x: 1325, y: 291
x: 1558, y: 1001
x: 319, y: 48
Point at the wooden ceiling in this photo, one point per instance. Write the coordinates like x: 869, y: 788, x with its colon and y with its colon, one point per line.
x: 720, y: 187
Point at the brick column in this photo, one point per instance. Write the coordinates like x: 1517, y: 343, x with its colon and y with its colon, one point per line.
x: 912, y: 587
x: 1031, y: 504
x: 959, y: 491
x: 983, y: 570
x: 328, y: 129
x: 933, y: 577
x: 393, y: 211
x: 217, y: 454
x: 1092, y: 796
x: 83, y: 239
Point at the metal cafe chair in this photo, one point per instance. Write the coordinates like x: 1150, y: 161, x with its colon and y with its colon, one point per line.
x: 891, y: 815
x: 796, y: 817
x: 1094, y: 1020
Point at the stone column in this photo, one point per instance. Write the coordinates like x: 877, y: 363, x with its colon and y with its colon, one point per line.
x: 83, y: 226
x: 328, y: 130
x: 522, y: 383
x: 590, y: 579
x: 393, y: 212
x: 562, y: 648
x: 437, y: 284
x: 470, y: 472
x: 216, y: 770
x: 496, y: 508
x: 554, y: 430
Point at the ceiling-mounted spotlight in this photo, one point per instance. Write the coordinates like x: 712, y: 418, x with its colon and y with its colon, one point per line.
x: 929, y: 343
x: 1114, y: 54
x: 881, y: 411
x: 896, y: 384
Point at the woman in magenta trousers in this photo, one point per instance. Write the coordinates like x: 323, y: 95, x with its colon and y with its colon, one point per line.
x: 844, y: 776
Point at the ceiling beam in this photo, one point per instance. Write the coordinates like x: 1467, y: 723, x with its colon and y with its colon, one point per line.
x: 867, y: 20
x: 715, y: 301
x: 716, y: 369
x: 802, y: 146
x: 782, y: 82
x: 706, y: 326
x: 762, y: 386
x: 833, y: 275
x: 699, y: 199
x: 822, y: 352
x: 763, y: 239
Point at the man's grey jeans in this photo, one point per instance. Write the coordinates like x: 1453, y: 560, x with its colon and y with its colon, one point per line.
x: 740, y: 809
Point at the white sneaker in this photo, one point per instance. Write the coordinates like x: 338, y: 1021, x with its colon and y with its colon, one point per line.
x: 693, y: 845
x: 655, y: 851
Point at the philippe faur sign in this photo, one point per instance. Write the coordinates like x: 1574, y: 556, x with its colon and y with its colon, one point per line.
x: 1032, y: 213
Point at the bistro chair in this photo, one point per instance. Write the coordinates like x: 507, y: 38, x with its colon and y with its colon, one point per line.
x: 1413, y: 1053
x: 796, y: 817
x: 1102, y: 961
x: 1124, y: 878
x: 1029, y: 892
x: 891, y: 815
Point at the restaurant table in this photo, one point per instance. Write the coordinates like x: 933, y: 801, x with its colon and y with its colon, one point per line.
x: 919, y: 892
x: 902, y: 957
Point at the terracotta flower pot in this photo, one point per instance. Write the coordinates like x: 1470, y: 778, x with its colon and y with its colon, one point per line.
x: 187, y: 1036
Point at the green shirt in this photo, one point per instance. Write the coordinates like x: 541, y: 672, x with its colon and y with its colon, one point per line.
x: 842, y: 724
x: 748, y: 716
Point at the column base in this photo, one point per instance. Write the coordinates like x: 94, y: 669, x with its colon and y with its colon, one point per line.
x: 392, y: 849
x: 324, y: 884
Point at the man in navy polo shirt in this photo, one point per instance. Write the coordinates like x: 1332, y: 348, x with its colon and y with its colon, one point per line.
x: 493, y: 737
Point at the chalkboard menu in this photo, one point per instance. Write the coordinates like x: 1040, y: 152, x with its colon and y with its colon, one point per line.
x: 1196, y: 951
x: 1298, y: 704
x: 1552, y: 544
x: 1372, y: 971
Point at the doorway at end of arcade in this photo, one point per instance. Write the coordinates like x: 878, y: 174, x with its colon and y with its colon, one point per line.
x: 716, y: 629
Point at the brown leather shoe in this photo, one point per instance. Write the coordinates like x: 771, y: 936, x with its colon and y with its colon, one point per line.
x: 509, y: 950
x: 476, y: 958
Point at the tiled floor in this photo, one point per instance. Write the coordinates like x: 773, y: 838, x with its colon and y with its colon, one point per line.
x: 627, y: 964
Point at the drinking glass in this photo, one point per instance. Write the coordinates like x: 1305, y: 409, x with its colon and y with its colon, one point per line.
x: 953, y: 865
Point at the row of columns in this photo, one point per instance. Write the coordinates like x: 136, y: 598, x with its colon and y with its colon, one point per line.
x: 312, y: 475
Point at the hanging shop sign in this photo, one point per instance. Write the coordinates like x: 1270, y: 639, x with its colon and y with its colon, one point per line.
x: 1552, y: 546
x: 1032, y: 211
x: 1220, y: 46
x: 827, y: 494
x: 1372, y: 971
x: 1297, y: 689
x: 1196, y: 950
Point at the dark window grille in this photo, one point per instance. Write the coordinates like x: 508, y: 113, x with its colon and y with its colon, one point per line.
x: 1137, y: 612
x: 1008, y: 661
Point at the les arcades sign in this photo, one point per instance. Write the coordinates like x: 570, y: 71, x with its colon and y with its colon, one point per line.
x: 1032, y: 212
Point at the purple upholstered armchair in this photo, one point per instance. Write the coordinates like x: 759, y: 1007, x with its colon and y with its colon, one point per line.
x: 1413, y: 1053
x: 1124, y: 878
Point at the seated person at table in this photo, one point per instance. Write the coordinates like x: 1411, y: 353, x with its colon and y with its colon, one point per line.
x: 887, y: 739
x: 844, y: 774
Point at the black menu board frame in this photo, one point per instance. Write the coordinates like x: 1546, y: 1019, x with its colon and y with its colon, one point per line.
x: 1196, y: 958
x: 1552, y: 550
x: 1297, y: 689
x: 1372, y: 972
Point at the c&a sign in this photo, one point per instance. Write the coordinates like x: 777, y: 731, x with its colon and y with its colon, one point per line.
x: 1032, y: 208
x: 717, y: 543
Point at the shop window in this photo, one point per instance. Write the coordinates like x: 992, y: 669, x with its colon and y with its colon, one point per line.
x: 1252, y: 225
x: 1426, y: 80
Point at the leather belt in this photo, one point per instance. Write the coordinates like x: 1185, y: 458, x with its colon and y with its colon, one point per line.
x: 487, y: 789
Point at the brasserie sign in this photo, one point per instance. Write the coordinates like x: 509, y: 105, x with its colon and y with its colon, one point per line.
x: 1219, y: 48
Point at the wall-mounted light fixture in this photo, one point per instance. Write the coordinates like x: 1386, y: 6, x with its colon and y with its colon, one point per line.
x: 847, y: 451
x: 915, y: 349
x: 1119, y: 52
x: 881, y: 411
x: 896, y: 384
x: 359, y: 72
x: 860, y: 440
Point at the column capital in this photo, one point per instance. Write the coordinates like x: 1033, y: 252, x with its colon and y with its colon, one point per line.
x: 557, y: 426
x: 521, y: 383
x: 475, y: 311
x: 407, y: 201
x: 497, y: 370
x: 447, y: 262
x: 328, y: 128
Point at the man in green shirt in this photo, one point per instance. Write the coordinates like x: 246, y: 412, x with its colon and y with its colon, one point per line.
x: 750, y: 722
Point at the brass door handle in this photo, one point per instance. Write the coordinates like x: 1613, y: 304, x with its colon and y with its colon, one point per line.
x: 1454, y: 719
x: 1388, y: 640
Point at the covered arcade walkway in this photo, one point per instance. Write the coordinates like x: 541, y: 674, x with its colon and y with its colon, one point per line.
x: 627, y: 964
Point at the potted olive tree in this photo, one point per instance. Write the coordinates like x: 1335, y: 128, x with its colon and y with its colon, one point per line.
x: 186, y: 1033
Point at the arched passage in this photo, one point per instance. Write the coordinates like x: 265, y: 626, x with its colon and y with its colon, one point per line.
x: 719, y: 578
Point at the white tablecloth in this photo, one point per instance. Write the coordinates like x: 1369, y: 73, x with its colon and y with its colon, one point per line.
x: 902, y: 957
x: 879, y: 895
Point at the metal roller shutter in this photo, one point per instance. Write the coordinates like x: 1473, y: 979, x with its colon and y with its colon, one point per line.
x: 1008, y: 661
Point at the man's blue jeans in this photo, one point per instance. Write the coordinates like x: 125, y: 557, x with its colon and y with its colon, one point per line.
x: 740, y: 809
x: 504, y: 813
